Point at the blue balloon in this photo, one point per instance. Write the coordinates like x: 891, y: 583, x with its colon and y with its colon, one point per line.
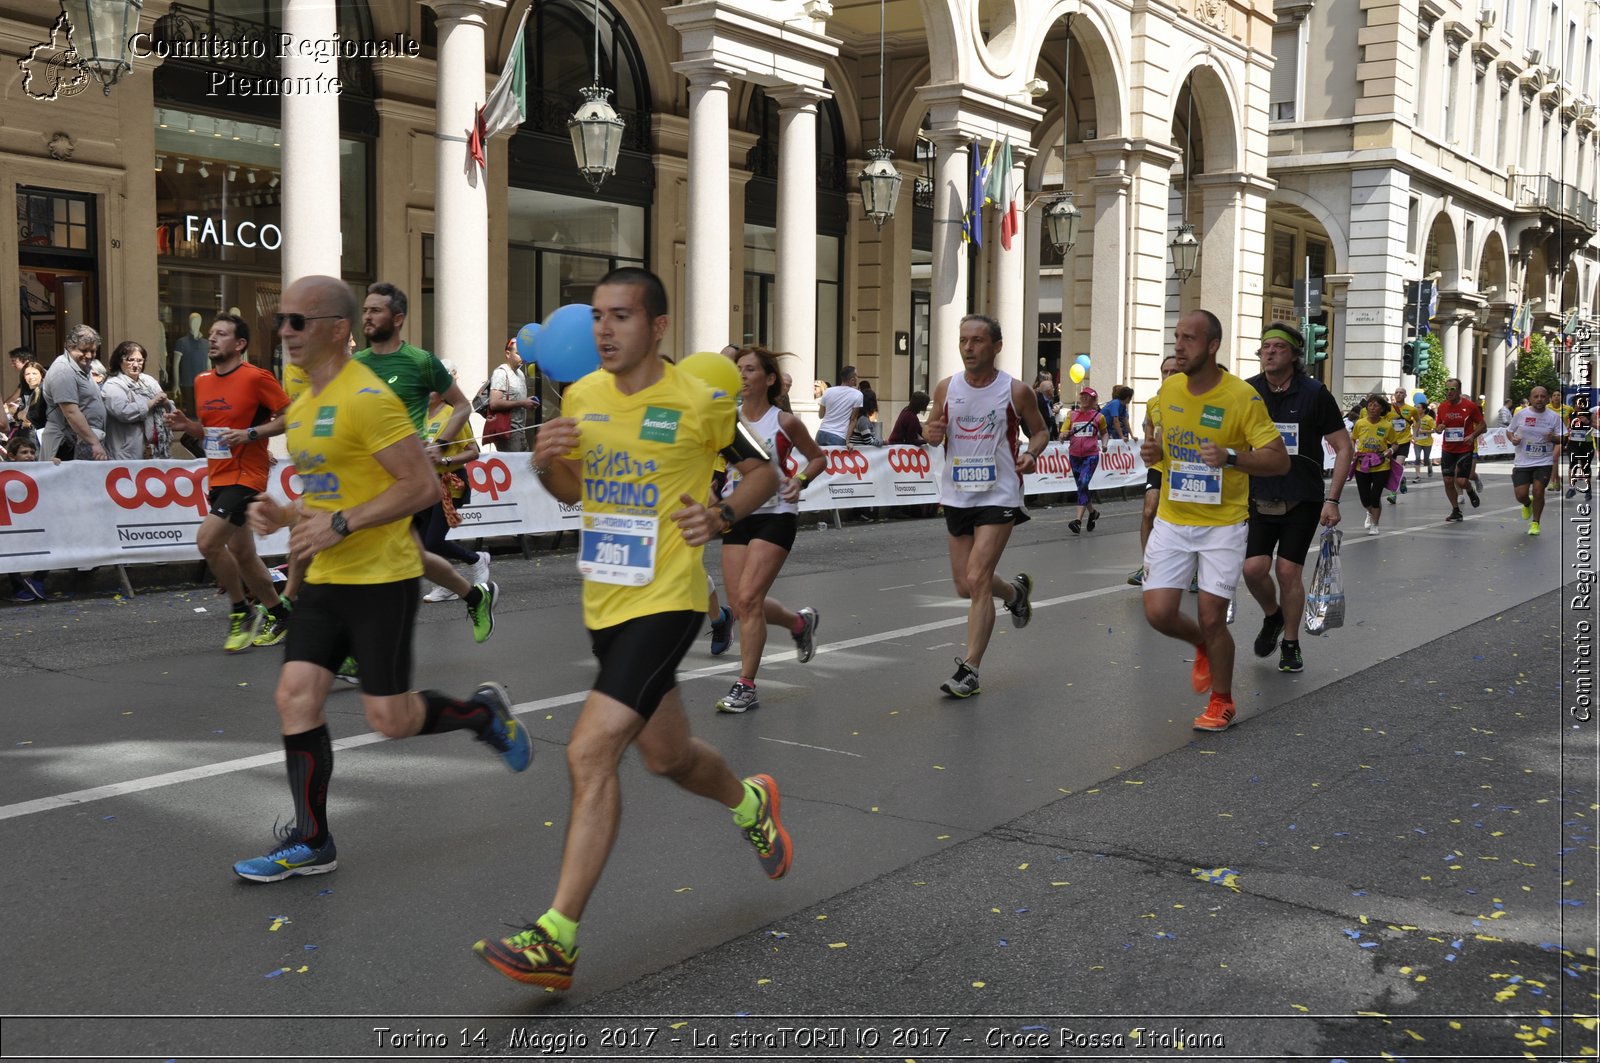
x: 525, y: 340
x: 564, y: 350
x: 1083, y: 360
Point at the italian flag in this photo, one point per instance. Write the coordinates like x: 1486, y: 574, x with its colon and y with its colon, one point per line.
x: 1003, y: 195
x: 507, y: 105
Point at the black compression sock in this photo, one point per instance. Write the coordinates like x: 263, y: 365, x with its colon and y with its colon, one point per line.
x: 309, y: 757
x: 444, y: 713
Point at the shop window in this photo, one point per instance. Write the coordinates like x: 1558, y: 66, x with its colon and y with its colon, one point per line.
x: 57, y: 238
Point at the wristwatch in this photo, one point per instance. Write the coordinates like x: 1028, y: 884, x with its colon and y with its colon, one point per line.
x: 728, y: 517
x: 1233, y: 456
x: 252, y: 435
x: 338, y: 525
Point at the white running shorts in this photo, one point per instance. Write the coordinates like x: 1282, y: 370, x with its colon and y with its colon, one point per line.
x: 1174, y: 550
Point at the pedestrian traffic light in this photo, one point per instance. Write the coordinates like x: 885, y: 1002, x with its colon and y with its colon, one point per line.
x: 1317, y: 343
x: 1408, y: 358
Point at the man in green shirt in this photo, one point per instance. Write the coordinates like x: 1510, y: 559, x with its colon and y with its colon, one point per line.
x: 413, y: 374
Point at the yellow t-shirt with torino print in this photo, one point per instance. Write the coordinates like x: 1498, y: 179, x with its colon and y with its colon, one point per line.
x: 1232, y: 416
x: 333, y: 435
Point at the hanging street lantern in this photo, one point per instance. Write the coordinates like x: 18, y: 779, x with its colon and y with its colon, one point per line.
x: 880, y: 185
x: 1185, y: 249
x: 596, y: 130
x: 1061, y: 221
x: 100, y: 33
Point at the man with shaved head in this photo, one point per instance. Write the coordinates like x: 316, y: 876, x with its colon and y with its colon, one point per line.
x: 364, y: 473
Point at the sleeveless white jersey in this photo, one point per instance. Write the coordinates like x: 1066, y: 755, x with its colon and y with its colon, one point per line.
x: 980, y: 450
x: 771, y: 433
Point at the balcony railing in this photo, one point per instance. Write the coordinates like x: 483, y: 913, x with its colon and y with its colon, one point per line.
x: 762, y: 161
x: 1542, y: 193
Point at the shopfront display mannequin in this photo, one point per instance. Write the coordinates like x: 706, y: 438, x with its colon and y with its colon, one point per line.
x: 192, y: 356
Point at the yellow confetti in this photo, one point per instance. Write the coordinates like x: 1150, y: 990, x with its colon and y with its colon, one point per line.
x: 684, y: 889
x: 1454, y: 1025
x: 1022, y: 867
x: 979, y: 985
x: 763, y: 981
x: 1415, y: 1035
x: 303, y: 970
x: 838, y: 944
x: 1133, y: 782
x: 547, y: 823
x: 820, y: 918
x: 942, y: 837
x: 278, y: 921
x: 938, y: 767
x: 1060, y: 883
x: 1299, y: 1007
x: 679, y: 1025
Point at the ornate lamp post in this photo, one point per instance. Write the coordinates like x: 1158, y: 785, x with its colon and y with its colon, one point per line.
x: 100, y: 33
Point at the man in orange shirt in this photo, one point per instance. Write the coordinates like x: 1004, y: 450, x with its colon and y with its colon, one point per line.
x: 241, y: 406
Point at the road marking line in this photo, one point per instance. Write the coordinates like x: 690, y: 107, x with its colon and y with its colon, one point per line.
x: 263, y: 760
x: 802, y: 745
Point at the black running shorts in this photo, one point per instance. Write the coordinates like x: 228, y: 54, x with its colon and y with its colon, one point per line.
x: 961, y: 520
x: 776, y: 528
x: 231, y: 502
x: 1531, y: 474
x: 1289, y: 535
x: 1457, y: 465
x: 639, y: 658
x: 371, y: 622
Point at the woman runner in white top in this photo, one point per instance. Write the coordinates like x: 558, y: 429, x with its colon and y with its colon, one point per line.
x: 755, y: 548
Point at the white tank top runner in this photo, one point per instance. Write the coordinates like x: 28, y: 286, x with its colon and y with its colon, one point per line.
x: 769, y: 431
x: 980, y: 466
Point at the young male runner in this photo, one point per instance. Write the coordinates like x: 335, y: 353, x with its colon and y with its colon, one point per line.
x: 1460, y: 422
x: 977, y: 413
x: 636, y: 446
x: 1285, y: 511
x: 1206, y: 414
x: 365, y: 473
x: 240, y: 407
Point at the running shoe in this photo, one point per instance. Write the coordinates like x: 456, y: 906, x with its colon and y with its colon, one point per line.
x: 740, y: 698
x: 349, y: 672
x: 805, y: 643
x: 964, y: 683
x: 39, y: 595
x: 531, y: 956
x: 1094, y: 515
x: 1271, y: 628
x: 1021, y: 607
x: 483, y: 616
x: 1368, y: 522
x: 505, y: 733
x: 293, y: 857
x: 480, y: 568
x: 1533, y: 527
x: 1403, y: 489
x: 1392, y: 499
x: 1527, y: 512
x: 1455, y: 515
x: 1200, y: 674
x: 1218, y: 715
x: 273, y: 630
x: 1477, y: 481
x: 1372, y: 529
x: 1076, y: 526
x: 1136, y: 577
x: 1289, y: 659
x: 243, y: 627
x: 441, y: 594
x: 1472, y: 496
x: 767, y: 833
x: 721, y: 632
x: 25, y: 594
x: 1571, y: 491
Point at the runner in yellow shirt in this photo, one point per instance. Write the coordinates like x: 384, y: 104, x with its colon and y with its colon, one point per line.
x: 364, y: 473
x: 1401, y: 414
x: 1215, y: 432
x: 1422, y: 429
x: 635, y: 445
x: 1373, y: 434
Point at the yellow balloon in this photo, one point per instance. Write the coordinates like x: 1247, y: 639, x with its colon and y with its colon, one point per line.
x: 714, y: 369
x: 1076, y: 373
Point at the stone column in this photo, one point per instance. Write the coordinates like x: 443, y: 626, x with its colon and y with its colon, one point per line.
x: 1108, y: 289
x: 706, y: 303
x: 795, y: 330
x: 1448, y: 336
x: 1233, y: 209
x: 951, y: 186
x: 1466, y: 353
x: 1499, y: 352
x: 312, y: 243
x: 1149, y: 266
x: 461, y: 211
x: 1008, y: 275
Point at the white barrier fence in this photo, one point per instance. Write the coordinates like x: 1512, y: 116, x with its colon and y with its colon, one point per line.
x: 83, y: 513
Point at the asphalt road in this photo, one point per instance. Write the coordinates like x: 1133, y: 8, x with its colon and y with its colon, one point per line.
x: 1392, y: 853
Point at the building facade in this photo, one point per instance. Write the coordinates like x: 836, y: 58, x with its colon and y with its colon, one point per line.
x: 202, y: 181
x: 1420, y: 139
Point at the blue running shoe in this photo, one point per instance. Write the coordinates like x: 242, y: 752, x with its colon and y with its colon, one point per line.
x: 294, y: 857
x: 505, y: 733
x: 721, y: 632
